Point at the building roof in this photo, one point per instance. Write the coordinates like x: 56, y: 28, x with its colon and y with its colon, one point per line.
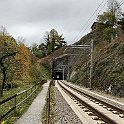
x: 97, y: 24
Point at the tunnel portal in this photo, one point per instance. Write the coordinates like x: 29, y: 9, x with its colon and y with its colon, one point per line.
x: 57, y: 75
x: 60, y: 68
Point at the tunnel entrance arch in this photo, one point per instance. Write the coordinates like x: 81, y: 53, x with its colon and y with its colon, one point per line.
x: 57, y: 75
x: 62, y: 62
x: 60, y: 68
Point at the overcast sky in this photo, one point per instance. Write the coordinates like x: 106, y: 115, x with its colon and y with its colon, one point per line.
x: 32, y: 18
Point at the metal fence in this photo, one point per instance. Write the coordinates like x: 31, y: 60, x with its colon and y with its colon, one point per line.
x: 27, y: 93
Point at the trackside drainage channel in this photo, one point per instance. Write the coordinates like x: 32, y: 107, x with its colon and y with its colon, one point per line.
x: 48, y: 112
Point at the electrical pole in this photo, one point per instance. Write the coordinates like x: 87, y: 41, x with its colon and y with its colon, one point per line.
x: 68, y: 72
x: 91, y: 64
x: 63, y: 74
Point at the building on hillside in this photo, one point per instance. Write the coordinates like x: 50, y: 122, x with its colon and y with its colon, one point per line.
x: 97, y: 25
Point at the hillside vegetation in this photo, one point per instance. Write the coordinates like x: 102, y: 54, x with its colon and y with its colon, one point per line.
x: 108, y: 54
x: 18, y: 66
x: 108, y: 63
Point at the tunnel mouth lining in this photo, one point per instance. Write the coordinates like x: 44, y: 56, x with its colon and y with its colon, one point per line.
x: 57, y: 75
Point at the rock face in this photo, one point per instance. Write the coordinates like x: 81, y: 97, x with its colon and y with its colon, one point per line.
x: 108, y: 63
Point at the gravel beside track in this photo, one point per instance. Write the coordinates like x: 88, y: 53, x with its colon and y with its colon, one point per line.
x: 33, y: 115
x: 64, y: 113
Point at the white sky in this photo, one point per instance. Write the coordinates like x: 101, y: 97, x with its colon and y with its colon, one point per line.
x: 32, y: 18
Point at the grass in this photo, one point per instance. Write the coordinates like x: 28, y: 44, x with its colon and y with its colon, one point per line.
x: 13, y: 116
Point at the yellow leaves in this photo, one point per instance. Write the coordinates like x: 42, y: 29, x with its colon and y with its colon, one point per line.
x: 24, y: 53
x: 24, y: 57
x: 3, y: 122
x: 8, y: 41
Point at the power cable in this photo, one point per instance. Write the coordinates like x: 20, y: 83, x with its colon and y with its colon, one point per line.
x: 89, y: 19
x: 121, y: 3
x: 95, y: 16
x: 84, y: 29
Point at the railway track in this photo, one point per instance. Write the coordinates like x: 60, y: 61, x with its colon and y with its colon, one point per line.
x: 99, y: 110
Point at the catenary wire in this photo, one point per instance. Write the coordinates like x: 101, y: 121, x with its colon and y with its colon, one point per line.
x: 89, y: 19
x: 84, y: 29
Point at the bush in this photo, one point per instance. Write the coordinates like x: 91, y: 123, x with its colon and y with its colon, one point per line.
x: 109, y: 33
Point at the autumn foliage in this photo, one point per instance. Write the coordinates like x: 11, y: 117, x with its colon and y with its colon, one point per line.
x: 23, y: 57
x: 17, y: 63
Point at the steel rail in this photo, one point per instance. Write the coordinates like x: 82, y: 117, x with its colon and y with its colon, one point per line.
x: 97, y: 99
x: 98, y: 113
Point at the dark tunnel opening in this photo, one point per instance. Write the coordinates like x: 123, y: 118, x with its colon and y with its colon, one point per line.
x: 57, y: 75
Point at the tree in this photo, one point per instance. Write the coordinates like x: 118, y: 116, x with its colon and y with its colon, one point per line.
x: 46, y: 45
x: 7, y: 51
x: 20, y: 39
x: 53, y: 41
x: 56, y: 40
x: 34, y: 49
x: 107, y: 18
x: 4, y: 69
x: 109, y: 33
x: 110, y: 18
x: 24, y: 58
x: 38, y: 50
x: 112, y: 15
x: 114, y: 8
x: 3, y: 31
